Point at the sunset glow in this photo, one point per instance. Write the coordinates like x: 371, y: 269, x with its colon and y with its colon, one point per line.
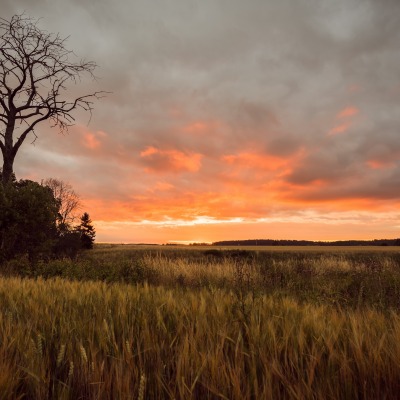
x: 230, y: 121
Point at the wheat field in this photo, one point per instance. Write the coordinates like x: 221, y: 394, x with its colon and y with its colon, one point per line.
x: 202, y: 327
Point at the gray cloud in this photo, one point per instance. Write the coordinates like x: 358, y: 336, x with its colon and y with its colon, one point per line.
x: 263, y: 76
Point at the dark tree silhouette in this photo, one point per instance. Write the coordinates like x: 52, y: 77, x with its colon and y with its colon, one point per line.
x: 68, y: 199
x: 86, y: 231
x: 35, y: 70
x: 28, y: 214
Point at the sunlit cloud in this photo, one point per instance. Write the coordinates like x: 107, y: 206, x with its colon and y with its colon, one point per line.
x: 255, y: 160
x: 348, y: 112
x: 379, y: 164
x: 157, y: 160
x: 345, y: 120
x: 199, y: 127
x: 195, y: 221
x: 277, y: 120
x: 90, y: 141
x: 341, y: 128
x: 162, y: 187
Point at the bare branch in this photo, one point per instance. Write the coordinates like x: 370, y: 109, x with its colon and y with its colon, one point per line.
x: 69, y: 201
x: 36, y: 70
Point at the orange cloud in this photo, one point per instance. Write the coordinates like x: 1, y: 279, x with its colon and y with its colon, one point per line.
x: 92, y: 140
x: 378, y: 164
x: 341, y: 128
x: 255, y: 160
x: 348, y: 112
x: 168, y: 212
x: 255, y: 202
x: 200, y: 127
x: 253, y: 169
x: 157, y: 160
x: 196, y: 127
x: 160, y: 188
x: 163, y: 186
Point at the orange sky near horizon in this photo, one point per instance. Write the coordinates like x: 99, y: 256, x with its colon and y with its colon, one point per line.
x: 190, y: 197
x: 261, y: 120
x: 254, y: 198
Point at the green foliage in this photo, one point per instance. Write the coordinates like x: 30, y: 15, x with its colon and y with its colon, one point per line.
x: 28, y: 212
x: 30, y: 224
x: 87, y: 231
x: 68, y: 244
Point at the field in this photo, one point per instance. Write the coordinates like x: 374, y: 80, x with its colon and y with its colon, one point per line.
x: 167, y: 322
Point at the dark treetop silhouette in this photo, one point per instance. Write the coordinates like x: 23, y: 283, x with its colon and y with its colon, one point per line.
x: 68, y: 201
x: 35, y: 69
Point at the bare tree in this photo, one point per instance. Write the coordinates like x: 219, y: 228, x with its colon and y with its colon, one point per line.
x: 69, y: 201
x: 35, y: 70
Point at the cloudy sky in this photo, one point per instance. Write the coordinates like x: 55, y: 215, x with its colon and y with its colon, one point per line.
x: 230, y: 119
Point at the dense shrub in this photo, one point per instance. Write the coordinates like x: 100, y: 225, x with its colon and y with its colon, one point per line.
x: 27, y: 220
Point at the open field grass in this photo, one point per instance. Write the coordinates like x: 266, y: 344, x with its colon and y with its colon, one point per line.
x: 125, y: 322
x: 357, y: 279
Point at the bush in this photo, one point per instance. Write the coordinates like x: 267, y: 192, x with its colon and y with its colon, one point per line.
x: 68, y: 245
x: 27, y: 220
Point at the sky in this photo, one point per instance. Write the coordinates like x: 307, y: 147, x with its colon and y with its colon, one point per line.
x: 229, y: 119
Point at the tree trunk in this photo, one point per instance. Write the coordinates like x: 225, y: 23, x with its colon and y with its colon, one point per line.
x: 8, y: 153
x: 7, y: 174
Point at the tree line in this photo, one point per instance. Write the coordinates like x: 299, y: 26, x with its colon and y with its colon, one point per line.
x: 38, y: 220
x: 272, y: 242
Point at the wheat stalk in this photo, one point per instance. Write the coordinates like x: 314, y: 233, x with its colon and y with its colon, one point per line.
x: 142, y: 385
x: 83, y: 353
x: 39, y: 347
x: 71, y: 369
x: 60, y: 356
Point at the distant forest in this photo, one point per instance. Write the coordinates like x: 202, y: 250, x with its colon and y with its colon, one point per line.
x: 271, y: 242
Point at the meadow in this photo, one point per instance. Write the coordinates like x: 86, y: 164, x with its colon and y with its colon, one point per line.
x: 165, y: 322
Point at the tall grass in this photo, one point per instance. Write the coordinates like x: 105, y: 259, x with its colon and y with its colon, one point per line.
x: 210, y: 324
x: 340, y: 279
x: 92, y: 340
